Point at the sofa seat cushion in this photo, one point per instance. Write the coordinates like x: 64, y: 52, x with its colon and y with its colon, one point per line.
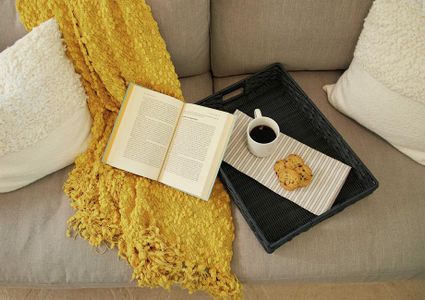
x: 35, y: 250
x: 377, y: 238
x: 380, y: 237
x: 196, y: 88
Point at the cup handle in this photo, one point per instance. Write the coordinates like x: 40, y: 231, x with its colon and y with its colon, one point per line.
x: 257, y: 113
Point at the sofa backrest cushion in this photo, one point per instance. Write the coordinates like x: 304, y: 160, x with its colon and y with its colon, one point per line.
x: 301, y: 34
x: 184, y: 25
x: 11, y: 28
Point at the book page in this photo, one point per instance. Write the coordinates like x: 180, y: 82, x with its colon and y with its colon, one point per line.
x: 197, y: 149
x: 143, y: 132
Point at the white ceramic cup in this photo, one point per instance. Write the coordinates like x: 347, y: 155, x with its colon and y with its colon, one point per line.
x: 261, y: 149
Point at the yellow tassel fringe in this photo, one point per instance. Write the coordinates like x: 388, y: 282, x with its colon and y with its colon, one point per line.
x: 166, y: 236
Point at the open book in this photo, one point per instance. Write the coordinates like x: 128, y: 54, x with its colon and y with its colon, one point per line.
x: 164, y: 139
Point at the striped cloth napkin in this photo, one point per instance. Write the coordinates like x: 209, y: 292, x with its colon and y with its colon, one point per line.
x: 329, y: 174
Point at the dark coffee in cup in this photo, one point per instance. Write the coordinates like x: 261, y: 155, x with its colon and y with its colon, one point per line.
x: 262, y: 134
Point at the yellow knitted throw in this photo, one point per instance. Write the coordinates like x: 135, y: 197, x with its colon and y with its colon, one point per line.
x: 166, y: 236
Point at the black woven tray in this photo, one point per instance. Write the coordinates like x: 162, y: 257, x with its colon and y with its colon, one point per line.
x: 276, y: 220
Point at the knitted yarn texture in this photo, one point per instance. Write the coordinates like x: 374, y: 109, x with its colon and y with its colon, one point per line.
x: 167, y: 236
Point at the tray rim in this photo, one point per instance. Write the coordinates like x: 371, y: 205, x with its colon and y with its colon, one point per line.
x: 270, y: 247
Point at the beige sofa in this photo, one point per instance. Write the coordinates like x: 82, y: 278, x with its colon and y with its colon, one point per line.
x: 213, y: 44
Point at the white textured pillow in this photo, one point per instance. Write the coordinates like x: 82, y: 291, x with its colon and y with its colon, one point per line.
x: 384, y: 87
x: 44, y: 119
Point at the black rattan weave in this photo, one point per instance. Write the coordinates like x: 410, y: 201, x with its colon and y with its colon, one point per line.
x: 274, y: 219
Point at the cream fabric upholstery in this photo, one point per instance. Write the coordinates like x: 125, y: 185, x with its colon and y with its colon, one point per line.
x: 11, y: 28
x: 184, y: 24
x: 33, y: 226
x: 196, y: 88
x: 303, y: 34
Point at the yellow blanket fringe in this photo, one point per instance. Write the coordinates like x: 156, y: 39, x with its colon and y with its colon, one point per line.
x: 166, y: 236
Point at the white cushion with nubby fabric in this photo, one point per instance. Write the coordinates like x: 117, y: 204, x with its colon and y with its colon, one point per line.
x: 44, y: 119
x: 384, y: 87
